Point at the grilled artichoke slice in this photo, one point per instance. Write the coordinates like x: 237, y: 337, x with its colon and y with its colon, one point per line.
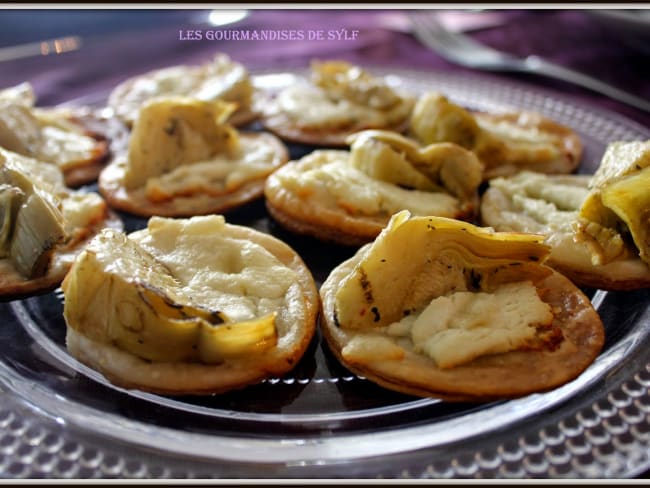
x: 118, y: 293
x: 446, y: 255
x: 436, y: 119
x: 374, y: 155
x: 506, y: 143
x: 391, y: 157
x: 33, y: 222
x: 340, y: 80
x: 19, y: 129
x: 10, y: 200
x: 173, y: 131
x: 615, y: 216
x: 22, y: 93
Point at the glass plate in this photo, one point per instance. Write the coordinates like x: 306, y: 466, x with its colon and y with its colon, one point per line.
x: 61, y: 419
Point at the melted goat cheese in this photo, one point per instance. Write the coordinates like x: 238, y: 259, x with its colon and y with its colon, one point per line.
x: 464, y: 325
x: 328, y: 176
x: 219, y: 271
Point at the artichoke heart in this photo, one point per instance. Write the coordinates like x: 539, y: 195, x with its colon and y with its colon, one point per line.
x: 396, y: 159
x: 436, y: 119
x: 340, y: 80
x: 32, y: 223
x: 617, y: 208
x: 443, y: 255
x: 118, y: 293
x: 10, y: 200
x: 388, y: 160
x: 20, y: 131
x: 225, y: 80
x: 173, y: 131
x: 231, y: 340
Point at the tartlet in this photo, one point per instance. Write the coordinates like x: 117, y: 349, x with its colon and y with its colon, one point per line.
x: 189, y: 306
x: 466, y: 314
x: 347, y: 197
x: 338, y: 100
x: 184, y: 159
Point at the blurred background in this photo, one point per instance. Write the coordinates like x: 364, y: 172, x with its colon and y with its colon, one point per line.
x: 112, y: 44
x: 22, y: 26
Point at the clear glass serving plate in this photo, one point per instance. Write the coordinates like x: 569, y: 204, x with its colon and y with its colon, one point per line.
x: 61, y: 419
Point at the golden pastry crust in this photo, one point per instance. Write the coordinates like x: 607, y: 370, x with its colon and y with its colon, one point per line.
x: 486, y: 378
x: 181, y: 378
x: 14, y: 286
x: 571, y: 258
x: 135, y: 201
x: 304, y: 213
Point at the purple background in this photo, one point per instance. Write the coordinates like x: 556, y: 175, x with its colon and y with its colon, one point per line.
x: 119, y: 44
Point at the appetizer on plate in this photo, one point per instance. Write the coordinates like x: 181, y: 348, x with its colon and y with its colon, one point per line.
x: 220, y: 79
x: 597, y: 226
x: 506, y: 143
x: 347, y: 197
x: 438, y: 307
x: 184, y: 159
x: 189, y: 306
x: 60, y: 136
x: 339, y: 99
x: 43, y: 225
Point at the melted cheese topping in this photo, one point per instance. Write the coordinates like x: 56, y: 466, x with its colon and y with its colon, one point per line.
x: 66, y: 149
x: 328, y: 177
x: 311, y: 107
x: 462, y: 326
x: 82, y: 210
x: 217, y: 175
x: 218, y: 271
x: 521, y: 135
x: 548, y: 205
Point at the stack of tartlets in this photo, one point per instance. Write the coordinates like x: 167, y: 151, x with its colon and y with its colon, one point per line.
x: 472, y: 235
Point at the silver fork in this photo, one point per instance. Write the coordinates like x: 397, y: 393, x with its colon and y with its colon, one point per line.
x: 461, y: 49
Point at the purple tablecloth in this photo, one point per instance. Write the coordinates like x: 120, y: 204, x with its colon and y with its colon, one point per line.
x: 570, y: 37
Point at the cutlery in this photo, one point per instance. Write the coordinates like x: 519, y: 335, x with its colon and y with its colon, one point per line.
x: 463, y: 50
x: 40, y: 48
